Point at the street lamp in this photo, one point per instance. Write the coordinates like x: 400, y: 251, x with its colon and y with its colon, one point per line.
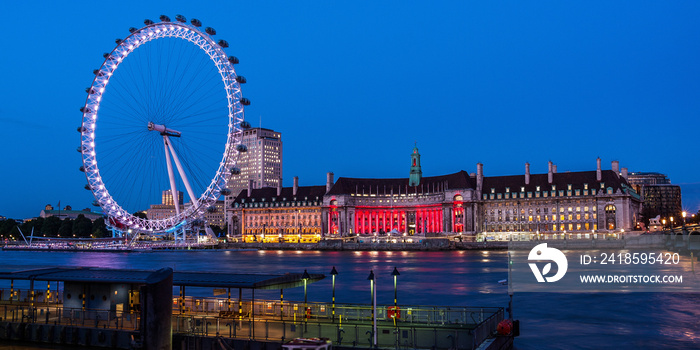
x: 374, y: 307
x: 370, y: 278
x: 333, y: 273
x: 684, y: 215
x: 305, y: 277
x: 395, y: 273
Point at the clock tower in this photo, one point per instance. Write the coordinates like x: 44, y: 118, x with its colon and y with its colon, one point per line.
x: 416, y: 173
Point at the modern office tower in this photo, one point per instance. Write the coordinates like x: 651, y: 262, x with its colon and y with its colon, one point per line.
x: 262, y: 163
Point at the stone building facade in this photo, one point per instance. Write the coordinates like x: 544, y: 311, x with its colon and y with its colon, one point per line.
x: 555, y: 205
x: 558, y: 204
x: 290, y: 214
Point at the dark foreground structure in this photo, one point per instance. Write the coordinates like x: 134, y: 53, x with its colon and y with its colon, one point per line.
x: 136, y: 309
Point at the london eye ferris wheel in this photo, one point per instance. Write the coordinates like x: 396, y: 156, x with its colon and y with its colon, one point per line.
x: 163, y: 118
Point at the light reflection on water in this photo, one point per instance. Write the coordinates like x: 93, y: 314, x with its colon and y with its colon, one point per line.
x: 454, y: 278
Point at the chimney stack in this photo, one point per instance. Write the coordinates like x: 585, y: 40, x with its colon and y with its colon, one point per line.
x: 616, y: 167
x: 598, y: 172
x: 250, y: 187
x: 554, y: 168
x: 296, y: 186
x: 550, y: 175
x: 329, y: 181
x: 527, y: 173
x: 479, y: 177
x: 279, y: 187
x: 624, y: 173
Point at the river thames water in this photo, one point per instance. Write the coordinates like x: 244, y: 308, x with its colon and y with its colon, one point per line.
x: 448, y: 278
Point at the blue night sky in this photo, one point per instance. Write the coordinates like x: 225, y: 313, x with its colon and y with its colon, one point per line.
x: 352, y: 85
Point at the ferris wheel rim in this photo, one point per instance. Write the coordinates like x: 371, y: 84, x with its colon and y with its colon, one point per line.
x: 208, y: 197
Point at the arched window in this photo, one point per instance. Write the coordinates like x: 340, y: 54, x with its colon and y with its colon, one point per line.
x: 610, y: 221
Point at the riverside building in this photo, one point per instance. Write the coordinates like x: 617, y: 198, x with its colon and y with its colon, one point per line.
x: 272, y: 215
x: 660, y: 197
x: 586, y: 204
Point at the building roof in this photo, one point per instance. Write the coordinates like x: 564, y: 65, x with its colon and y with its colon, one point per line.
x: 269, y: 194
x: 181, y: 278
x: 561, y: 180
x: 347, y: 185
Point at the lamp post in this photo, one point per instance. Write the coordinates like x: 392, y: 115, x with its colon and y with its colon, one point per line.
x: 684, y: 214
x: 395, y: 273
x: 305, y: 277
x: 334, y: 272
x: 671, y: 218
x: 373, y: 300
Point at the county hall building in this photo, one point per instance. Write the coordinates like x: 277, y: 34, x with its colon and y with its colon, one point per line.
x: 585, y: 204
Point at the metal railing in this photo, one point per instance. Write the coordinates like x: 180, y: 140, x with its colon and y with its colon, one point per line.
x: 56, y: 315
x: 350, y: 325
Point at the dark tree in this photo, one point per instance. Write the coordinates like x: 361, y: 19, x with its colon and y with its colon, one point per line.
x: 66, y: 228
x: 36, y: 225
x: 82, y: 226
x: 51, y: 226
x: 99, y: 228
x: 6, y: 226
x: 140, y: 214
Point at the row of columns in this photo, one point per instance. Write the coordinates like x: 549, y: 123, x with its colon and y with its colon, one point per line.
x: 429, y: 220
x: 369, y: 221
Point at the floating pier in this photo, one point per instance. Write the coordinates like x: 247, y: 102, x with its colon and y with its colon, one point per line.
x: 123, y: 309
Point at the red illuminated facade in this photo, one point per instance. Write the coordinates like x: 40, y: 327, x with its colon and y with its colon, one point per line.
x: 393, y: 206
